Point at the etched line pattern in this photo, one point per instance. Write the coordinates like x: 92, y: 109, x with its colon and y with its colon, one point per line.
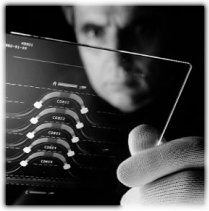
x: 50, y: 62
x: 46, y: 88
x: 21, y: 134
x: 12, y: 117
x: 14, y: 101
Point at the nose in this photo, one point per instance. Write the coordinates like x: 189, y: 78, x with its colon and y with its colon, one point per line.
x: 125, y: 41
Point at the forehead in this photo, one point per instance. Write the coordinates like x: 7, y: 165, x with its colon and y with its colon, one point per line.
x: 103, y: 14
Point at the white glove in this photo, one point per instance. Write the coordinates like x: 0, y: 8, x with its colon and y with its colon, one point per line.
x: 171, y: 173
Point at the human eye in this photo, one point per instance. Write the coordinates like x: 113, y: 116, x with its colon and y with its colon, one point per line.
x: 93, y: 31
x: 145, y: 27
x: 138, y: 29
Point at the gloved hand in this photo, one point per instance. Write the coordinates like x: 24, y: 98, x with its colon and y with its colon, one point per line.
x: 171, y: 173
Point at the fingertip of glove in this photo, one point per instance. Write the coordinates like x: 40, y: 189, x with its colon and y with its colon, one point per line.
x: 123, y: 172
x: 142, y: 137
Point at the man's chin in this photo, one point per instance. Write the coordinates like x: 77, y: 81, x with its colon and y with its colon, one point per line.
x: 124, y: 103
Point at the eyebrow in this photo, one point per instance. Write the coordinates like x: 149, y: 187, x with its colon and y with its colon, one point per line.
x: 84, y: 27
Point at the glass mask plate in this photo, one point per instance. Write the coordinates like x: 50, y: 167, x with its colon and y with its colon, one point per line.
x: 54, y: 119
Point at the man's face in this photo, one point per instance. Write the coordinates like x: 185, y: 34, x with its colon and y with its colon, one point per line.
x: 125, y: 81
